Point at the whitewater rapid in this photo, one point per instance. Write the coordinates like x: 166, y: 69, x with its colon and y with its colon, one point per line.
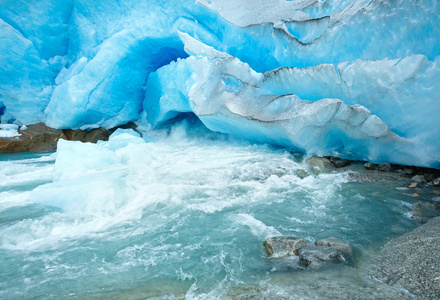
x: 178, y: 213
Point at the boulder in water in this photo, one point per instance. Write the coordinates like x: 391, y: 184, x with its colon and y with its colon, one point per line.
x: 282, y: 246
x: 321, y: 163
x: 385, y: 167
x: 337, y: 244
x: 422, y: 212
x: 316, y: 255
x: 370, y: 166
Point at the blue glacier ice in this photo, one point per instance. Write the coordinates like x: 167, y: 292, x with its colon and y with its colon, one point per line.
x: 355, y: 79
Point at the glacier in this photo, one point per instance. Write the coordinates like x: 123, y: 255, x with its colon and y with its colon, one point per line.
x: 351, y: 78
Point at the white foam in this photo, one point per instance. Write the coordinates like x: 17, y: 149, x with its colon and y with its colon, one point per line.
x: 256, y: 227
x: 106, y: 185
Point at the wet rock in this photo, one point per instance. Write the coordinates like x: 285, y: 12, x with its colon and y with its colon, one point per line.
x: 411, y: 261
x: 385, y: 167
x: 87, y: 136
x: 436, y: 182
x: 333, y: 158
x: 400, y: 172
x: 337, y: 244
x: 35, y: 138
x: 408, y: 171
x: 436, y: 199
x: 422, y: 212
x: 316, y: 255
x: 40, y: 138
x: 418, y: 179
x: 341, y: 163
x: 301, y: 173
x: 429, y: 177
x: 282, y: 246
x: 370, y: 166
x: 413, y: 185
x: 323, y: 164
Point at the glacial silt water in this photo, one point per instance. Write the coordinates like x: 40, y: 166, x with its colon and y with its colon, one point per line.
x: 182, y: 216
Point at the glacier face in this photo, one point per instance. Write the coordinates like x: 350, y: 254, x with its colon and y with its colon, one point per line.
x: 351, y: 78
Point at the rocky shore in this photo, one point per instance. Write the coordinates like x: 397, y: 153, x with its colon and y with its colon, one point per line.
x: 41, y: 138
x: 411, y: 261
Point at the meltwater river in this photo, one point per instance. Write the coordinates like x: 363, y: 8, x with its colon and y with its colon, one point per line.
x: 183, y: 216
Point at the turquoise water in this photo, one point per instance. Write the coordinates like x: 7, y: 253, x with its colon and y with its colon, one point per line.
x: 182, y: 216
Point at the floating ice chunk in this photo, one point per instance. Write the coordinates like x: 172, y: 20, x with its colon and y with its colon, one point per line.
x: 76, y: 160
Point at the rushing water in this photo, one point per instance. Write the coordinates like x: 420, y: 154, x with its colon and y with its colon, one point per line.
x: 183, y: 216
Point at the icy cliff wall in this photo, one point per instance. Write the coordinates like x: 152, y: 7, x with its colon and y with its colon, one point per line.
x: 352, y: 78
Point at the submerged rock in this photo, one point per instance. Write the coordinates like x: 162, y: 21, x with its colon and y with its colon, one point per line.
x: 337, y: 244
x: 282, y: 246
x: 316, y: 255
x: 411, y: 261
x: 422, y: 212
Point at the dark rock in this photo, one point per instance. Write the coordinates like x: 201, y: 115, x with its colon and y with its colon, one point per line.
x: 86, y: 136
x: 408, y: 171
x: 422, y: 212
x: 40, y: 138
x: 341, y: 163
x: 282, y: 246
x: 370, y: 166
x: 385, y: 167
x: 333, y: 159
x: 429, y: 177
x: 436, y: 182
x: 337, y: 244
x: 35, y: 138
x: 315, y: 255
x: 418, y: 179
x: 411, y: 261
